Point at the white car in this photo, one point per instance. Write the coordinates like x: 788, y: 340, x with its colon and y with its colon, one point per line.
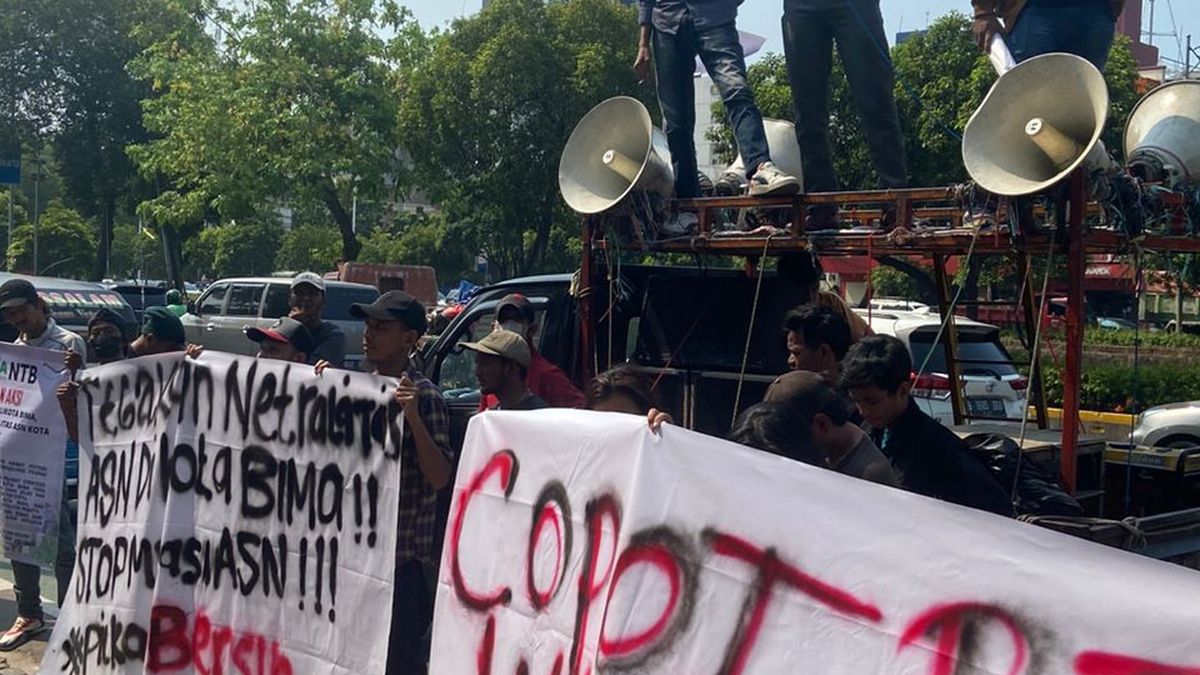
x: 1173, y: 425
x: 992, y: 386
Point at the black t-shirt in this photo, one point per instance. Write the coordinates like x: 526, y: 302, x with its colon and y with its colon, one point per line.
x: 530, y: 401
x: 932, y: 461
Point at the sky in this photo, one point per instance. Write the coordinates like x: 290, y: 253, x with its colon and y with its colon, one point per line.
x: 762, y: 17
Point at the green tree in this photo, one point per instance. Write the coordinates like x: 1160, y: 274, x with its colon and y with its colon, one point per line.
x: 424, y: 240
x: 66, y: 244
x: 486, y: 118
x: 238, y: 247
x: 297, y: 101
x: 309, y: 247
x: 136, y: 253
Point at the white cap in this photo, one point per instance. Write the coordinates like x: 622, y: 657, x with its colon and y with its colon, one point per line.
x: 311, y: 278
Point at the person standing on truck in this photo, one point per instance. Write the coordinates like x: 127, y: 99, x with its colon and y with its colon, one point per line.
x: 501, y: 361
x: 395, y: 323
x: 1084, y: 28
x: 305, y: 304
x: 678, y: 31
x: 546, y: 380
x: 929, y: 458
x: 804, y: 271
x: 28, y: 313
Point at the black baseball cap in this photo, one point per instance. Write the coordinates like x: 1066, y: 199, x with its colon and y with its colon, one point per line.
x: 394, y: 306
x: 16, y: 292
x: 285, y: 330
x: 106, y: 315
x: 518, y: 302
x: 163, y: 324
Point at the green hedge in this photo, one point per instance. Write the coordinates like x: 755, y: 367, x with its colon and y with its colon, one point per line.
x: 1125, y: 338
x: 1110, y: 387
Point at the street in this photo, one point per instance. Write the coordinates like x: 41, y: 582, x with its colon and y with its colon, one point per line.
x: 26, y: 658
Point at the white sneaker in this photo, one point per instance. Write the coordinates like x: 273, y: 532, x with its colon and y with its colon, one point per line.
x: 769, y: 180
x: 22, y: 631
x: 681, y: 223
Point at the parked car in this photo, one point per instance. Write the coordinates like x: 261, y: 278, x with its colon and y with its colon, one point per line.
x: 1114, y: 323
x: 72, y: 303
x: 1173, y: 425
x: 992, y: 386
x: 140, y: 295
x: 227, y: 306
x: 899, y: 305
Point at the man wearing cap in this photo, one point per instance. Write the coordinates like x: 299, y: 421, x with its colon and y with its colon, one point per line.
x: 501, y: 361
x: 286, y: 340
x: 546, y: 380
x: 306, y: 302
x: 162, y: 333
x: 29, y: 314
x: 847, y: 448
x: 107, y: 337
x: 395, y: 323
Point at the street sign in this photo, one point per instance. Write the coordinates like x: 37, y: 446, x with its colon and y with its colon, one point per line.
x: 10, y: 172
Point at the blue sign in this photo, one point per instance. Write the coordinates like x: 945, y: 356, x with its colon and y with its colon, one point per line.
x: 10, y: 172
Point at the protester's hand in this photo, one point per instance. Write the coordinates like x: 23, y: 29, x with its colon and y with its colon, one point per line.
x: 321, y: 366
x: 73, y: 360
x: 406, y: 396
x: 300, y: 314
x: 194, y: 350
x: 641, y: 65
x: 68, y: 394
x: 656, y: 418
x: 985, y: 26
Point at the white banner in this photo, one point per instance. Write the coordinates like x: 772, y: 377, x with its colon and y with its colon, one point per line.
x: 33, y: 445
x: 581, y: 543
x: 235, y: 516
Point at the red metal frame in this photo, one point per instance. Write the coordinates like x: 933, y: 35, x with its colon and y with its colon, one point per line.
x: 931, y: 203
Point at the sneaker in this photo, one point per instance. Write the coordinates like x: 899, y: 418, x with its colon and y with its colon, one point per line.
x: 730, y: 184
x: 680, y: 224
x: 23, y: 630
x: 705, y: 183
x: 769, y: 180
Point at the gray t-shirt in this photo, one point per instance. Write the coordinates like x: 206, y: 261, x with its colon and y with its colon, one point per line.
x: 867, y: 462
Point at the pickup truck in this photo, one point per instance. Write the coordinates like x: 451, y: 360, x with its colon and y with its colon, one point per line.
x: 685, y: 327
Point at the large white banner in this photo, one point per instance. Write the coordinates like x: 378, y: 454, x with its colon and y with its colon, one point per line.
x: 33, y: 444
x: 582, y: 543
x: 235, y: 516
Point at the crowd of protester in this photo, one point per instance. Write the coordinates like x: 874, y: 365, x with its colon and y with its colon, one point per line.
x: 845, y: 406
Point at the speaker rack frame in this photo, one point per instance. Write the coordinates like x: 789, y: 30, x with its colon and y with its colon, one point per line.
x: 1071, y: 238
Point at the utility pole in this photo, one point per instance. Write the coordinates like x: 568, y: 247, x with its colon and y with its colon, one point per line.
x: 12, y: 196
x: 1187, y: 59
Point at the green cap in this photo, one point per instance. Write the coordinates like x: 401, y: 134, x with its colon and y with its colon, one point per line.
x: 163, y: 324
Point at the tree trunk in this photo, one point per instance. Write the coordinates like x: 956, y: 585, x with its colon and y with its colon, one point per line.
x: 104, y: 249
x: 172, y: 253
x: 350, y: 243
x: 926, y: 290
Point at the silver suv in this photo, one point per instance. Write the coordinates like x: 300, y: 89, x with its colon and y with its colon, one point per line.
x: 218, y: 316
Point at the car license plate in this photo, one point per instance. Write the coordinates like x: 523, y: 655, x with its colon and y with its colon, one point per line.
x: 986, y: 407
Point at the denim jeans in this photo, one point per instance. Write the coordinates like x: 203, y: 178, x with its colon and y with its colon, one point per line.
x: 27, y: 578
x: 1084, y: 30
x: 674, y: 62
x: 810, y: 29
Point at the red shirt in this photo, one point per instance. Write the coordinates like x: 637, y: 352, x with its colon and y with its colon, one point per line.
x: 547, y: 381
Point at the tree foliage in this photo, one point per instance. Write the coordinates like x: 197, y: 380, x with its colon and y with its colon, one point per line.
x: 66, y: 244
x: 312, y: 247
x: 235, y: 248
x: 297, y: 100
x: 487, y: 117
x: 425, y: 239
x: 136, y: 254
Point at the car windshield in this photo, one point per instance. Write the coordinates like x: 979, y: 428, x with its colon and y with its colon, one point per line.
x: 978, y: 354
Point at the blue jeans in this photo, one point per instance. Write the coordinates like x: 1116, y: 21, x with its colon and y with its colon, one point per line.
x: 1085, y: 30
x: 674, y: 62
x: 810, y: 30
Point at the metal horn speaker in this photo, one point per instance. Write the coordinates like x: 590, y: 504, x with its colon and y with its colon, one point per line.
x: 1162, y: 137
x: 1040, y: 121
x: 614, y: 150
x: 785, y: 151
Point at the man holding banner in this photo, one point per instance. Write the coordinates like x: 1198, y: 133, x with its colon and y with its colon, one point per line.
x: 395, y: 323
x: 32, y: 453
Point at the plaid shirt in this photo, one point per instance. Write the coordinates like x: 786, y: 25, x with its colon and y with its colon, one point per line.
x: 416, y: 521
